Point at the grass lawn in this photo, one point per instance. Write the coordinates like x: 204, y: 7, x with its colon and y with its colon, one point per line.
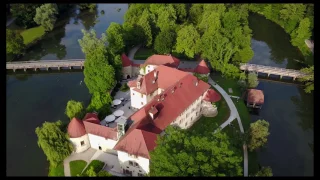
x: 77, y: 166
x: 143, y: 53
x: 206, y: 125
x: 32, y: 34
x: 57, y: 171
x: 243, y: 113
x: 97, y: 166
x: 124, y: 87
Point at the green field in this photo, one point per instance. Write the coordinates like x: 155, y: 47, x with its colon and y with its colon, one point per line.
x: 77, y: 166
x: 96, y: 164
x: 29, y: 35
x: 57, y: 171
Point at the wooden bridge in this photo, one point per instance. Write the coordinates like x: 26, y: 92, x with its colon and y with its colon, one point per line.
x: 272, y: 70
x: 46, y: 64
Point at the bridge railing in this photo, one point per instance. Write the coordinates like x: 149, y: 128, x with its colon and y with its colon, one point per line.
x: 269, y: 68
x: 44, y: 61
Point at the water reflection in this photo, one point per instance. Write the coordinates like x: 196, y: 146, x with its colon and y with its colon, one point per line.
x: 280, y: 50
x: 88, y: 18
x: 304, y: 109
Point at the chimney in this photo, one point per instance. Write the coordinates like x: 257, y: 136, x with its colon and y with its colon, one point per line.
x: 138, y: 85
x: 196, y: 82
x: 121, y: 124
x: 172, y: 91
x: 162, y: 97
x: 155, y: 74
x: 152, y: 112
x: 180, y: 84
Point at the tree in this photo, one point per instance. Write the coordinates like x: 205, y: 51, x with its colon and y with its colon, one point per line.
x: 144, y: 24
x: 53, y: 142
x: 46, y: 16
x: 179, y: 153
x: 308, y: 79
x: 115, y: 38
x: 187, y: 40
x: 14, y: 42
x: 181, y: 12
x: 265, y: 172
x: 302, y: 33
x: 90, y: 42
x: 293, y: 11
x: 164, y: 42
x: 195, y: 13
x: 24, y: 14
x: 258, y: 134
x: 99, y: 74
x: 89, y: 6
x: 252, y: 80
x: 166, y: 17
x: 100, y: 102
x: 74, y: 109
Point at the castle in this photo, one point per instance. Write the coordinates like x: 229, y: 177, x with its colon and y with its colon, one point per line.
x: 162, y: 94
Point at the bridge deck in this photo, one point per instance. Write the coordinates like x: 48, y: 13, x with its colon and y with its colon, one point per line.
x: 272, y: 70
x: 45, y: 64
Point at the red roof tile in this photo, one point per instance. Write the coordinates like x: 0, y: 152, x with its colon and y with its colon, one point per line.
x: 212, y: 96
x: 76, y: 128
x: 141, y: 136
x: 255, y: 96
x: 202, y: 68
x: 167, y: 60
x: 125, y: 60
x: 148, y: 84
x: 137, y: 142
x: 136, y: 65
x: 186, y: 69
x: 99, y: 130
x: 92, y: 117
x: 132, y: 83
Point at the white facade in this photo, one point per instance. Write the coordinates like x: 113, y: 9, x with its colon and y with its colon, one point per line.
x: 190, y: 115
x: 137, y: 99
x: 101, y: 143
x: 134, y: 164
x: 80, y: 144
x: 150, y: 68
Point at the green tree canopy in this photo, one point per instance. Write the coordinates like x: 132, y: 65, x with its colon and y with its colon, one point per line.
x: 187, y: 40
x: 258, y: 134
x: 265, y: 172
x: 164, y: 42
x: 99, y: 75
x: 89, y: 6
x: 53, y: 142
x: 181, y: 154
x: 115, y: 38
x: 46, y: 16
x: 308, y: 79
x: 14, y: 42
x: 252, y: 80
x: 145, y: 25
x: 74, y: 109
x: 24, y: 14
x: 90, y: 42
x: 100, y: 102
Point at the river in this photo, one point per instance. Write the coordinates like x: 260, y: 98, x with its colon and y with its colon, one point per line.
x: 35, y: 98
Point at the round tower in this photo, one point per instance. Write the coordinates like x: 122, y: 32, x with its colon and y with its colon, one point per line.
x: 78, y: 135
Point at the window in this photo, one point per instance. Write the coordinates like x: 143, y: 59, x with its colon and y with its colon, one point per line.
x: 141, y: 95
x: 186, y: 124
x: 130, y: 163
x: 132, y: 94
x: 136, y: 164
x: 139, y: 174
x: 191, y: 118
x: 196, y: 113
x: 180, y: 121
x: 82, y: 143
x: 148, y: 70
x: 141, y: 103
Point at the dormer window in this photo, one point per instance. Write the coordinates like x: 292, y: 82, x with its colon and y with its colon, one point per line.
x: 138, y: 85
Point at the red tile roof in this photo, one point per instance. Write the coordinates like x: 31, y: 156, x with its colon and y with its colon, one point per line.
x: 255, y: 96
x: 137, y: 142
x: 125, y: 60
x: 141, y: 136
x: 99, y: 130
x: 76, y: 128
x: 186, y: 69
x: 92, y: 117
x: 212, y: 96
x: 202, y: 68
x: 148, y: 84
x: 166, y: 77
x: 167, y: 60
